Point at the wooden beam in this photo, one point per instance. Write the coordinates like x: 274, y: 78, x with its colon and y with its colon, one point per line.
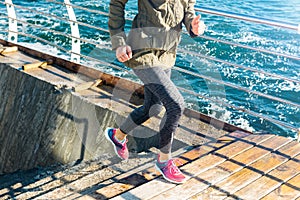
x: 87, y: 85
x: 37, y: 65
x: 4, y: 50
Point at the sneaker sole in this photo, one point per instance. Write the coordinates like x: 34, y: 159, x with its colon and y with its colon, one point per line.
x: 113, y: 144
x: 172, y: 181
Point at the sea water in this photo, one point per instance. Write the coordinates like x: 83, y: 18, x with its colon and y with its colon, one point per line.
x: 212, y: 84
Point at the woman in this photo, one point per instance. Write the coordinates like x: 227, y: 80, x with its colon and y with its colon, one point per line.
x: 150, y: 50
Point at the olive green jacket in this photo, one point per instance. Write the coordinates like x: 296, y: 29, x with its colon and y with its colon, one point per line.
x: 156, y: 27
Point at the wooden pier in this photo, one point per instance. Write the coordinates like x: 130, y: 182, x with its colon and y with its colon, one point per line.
x: 238, y: 165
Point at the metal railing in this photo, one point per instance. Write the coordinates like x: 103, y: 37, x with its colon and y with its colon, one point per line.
x: 259, y: 20
x: 76, y: 54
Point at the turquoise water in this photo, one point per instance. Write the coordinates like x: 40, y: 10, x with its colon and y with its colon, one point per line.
x: 255, y: 35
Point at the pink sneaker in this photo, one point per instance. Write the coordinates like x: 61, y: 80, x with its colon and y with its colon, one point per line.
x: 170, y: 171
x: 120, y: 149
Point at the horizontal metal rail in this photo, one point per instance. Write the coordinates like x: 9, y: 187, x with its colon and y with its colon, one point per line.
x: 203, y: 56
x: 259, y: 20
x: 180, y: 50
x: 238, y: 66
x: 80, y: 7
x: 232, y: 15
x: 86, y: 9
x: 249, y: 47
x: 57, y: 17
x: 238, y: 87
x: 182, y: 89
x: 68, y: 51
x: 60, y: 33
x: 204, y: 37
x: 286, y: 125
x: 182, y: 70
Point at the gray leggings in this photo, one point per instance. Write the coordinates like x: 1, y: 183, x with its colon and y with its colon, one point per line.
x: 159, y: 91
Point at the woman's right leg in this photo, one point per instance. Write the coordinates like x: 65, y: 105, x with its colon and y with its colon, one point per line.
x: 151, y: 107
x: 160, y: 85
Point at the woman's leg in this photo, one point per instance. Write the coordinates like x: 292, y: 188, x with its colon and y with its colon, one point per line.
x: 158, y: 82
x: 151, y: 107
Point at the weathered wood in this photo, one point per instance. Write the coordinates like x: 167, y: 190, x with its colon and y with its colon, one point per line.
x: 247, y: 175
x: 149, y: 174
x: 215, y: 174
x: 208, y: 194
x: 287, y: 191
x: 242, y: 145
x: 194, y: 168
x: 118, y: 82
x: 4, y: 50
x: 43, y: 64
x: 79, y: 184
x: 271, y: 181
x: 87, y: 85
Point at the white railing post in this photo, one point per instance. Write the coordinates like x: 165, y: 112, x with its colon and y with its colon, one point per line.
x: 75, y: 55
x: 12, y: 22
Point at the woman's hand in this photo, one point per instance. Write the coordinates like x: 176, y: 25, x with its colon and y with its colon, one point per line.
x: 123, y: 53
x: 198, y: 26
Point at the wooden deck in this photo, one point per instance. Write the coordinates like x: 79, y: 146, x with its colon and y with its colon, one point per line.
x: 237, y: 166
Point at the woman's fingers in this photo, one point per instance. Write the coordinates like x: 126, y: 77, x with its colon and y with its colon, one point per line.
x: 123, y: 53
x: 201, y: 28
x: 196, y: 20
x: 129, y: 52
x: 198, y: 26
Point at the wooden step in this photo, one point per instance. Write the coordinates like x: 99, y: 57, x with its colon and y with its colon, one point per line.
x: 194, y: 168
x: 219, y: 172
x: 289, y: 190
x: 149, y: 174
x: 249, y: 173
x: 6, y: 50
x: 237, y: 162
x: 269, y: 182
x: 49, y: 182
x: 236, y: 166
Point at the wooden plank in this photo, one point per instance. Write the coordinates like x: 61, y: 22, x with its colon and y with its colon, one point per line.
x: 194, y: 168
x: 149, y: 174
x: 146, y: 190
x: 36, y: 65
x: 288, y: 191
x: 247, y: 175
x: 230, y: 198
x: 79, y: 184
x: 114, y: 81
x: 209, y: 193
x: 5, y: 50
x: 271, y: 181
x: 87, y: 85
x: 249, y: 141
x: 215, y: 174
